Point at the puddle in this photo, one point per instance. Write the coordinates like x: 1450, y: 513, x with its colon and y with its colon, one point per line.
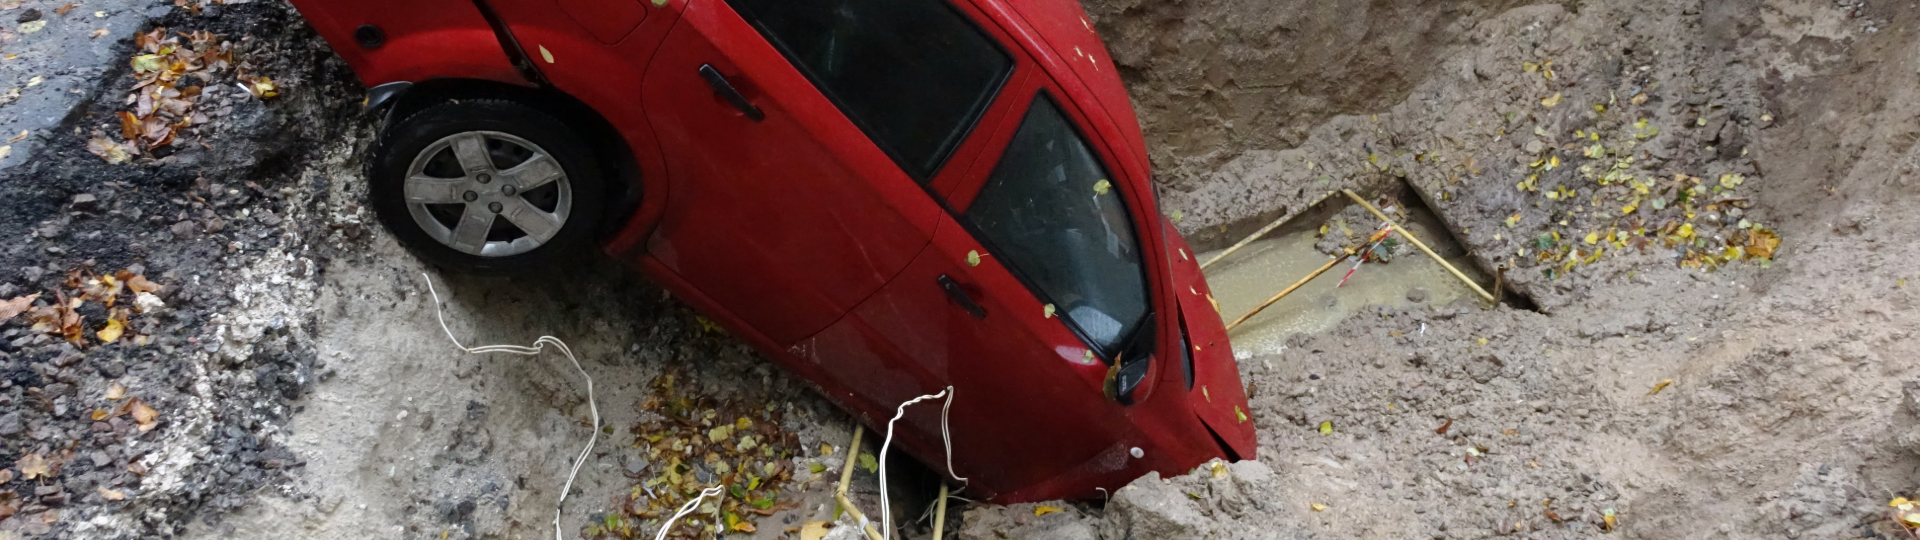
x: 1258, y: 271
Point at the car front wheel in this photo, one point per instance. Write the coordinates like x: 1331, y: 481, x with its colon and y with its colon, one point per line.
x: 486, y: 186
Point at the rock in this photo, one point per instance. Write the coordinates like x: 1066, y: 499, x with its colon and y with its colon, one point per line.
x: 1150, y: 508
x: 86, y: 202
x: 28, y: 16
x: 184, y: 230
x: 11, y: 425
x: 1535, y: 147
x: 1017, y: 522
x: 1417, y: 295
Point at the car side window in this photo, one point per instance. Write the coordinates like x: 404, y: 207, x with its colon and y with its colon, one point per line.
x: 1050, y: 212
x: 915, y: 75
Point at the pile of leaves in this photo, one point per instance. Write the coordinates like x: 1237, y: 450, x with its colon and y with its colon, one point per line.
x: 1615, y: 206
x: 1905, y: 514
x: 699, y: 442
x: 172, y: 76
x: 119, y: 296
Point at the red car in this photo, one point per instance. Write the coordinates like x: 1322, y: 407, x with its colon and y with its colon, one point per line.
x: 886, y: 197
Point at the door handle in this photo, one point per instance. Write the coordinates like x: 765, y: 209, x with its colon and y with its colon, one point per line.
x: 725, y: 89
x: 959, y: 296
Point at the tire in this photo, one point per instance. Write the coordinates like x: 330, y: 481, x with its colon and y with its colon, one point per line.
x: 486, y: 187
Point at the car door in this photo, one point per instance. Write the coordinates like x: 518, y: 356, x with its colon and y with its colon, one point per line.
x: 1034, y: 289
x: 799, y: 138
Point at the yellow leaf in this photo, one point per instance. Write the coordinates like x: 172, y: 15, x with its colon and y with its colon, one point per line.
x: 973, y: 258
x: 545, y: 55
x: 1685, y: 231
x: 1553, y: 100
x: 99, y: 414
x: 1242, y: 415
x: 1046, y: 311
x: 1317, y: 507
x: 111, y: 332
x: 1529, y: 67
x: 1593, y: 238
x: 1102, y: 187
x: 31, y: 27
x: 826, y: 449
x: 1897, y: 501
x: 112, y: 495
x: 1044, y: 510
x: 1326, y: 427
x: 1513, y: 219
x: 743, y: 527
x: 1204, y: 393
x: 1219, y: 470
x: 1659, y: 386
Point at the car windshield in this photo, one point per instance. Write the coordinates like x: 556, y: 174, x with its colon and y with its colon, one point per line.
x: 1054, y: 216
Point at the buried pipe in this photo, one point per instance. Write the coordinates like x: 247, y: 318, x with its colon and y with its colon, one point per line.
x: 1422, y: 245
x: 1289, y: 290
x: 840, y: 493
x: 1263, y: 231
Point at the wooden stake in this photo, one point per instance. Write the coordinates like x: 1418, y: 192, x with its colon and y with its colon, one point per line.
x: 1289, y: 290
x: 1422, y: 245
x: 1263, y: 231
x: 840, y: 493
x: 940, y: 512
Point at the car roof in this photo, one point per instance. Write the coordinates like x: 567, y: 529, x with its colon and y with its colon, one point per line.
x: 1064, y: 28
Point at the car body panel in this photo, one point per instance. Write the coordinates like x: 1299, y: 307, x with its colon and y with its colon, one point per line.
x: 422, y: 39
x: 789, y: 221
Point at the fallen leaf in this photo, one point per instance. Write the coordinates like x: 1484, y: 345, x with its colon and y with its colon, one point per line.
x: 6, y: 151
x: 6, y: 475
x: 1608, y: 516
x: 97, y: 34
x: 1551, y: 101
x: 1326, y: 428
x: 1044, y: 510
x: 816, y: 468
x: 1444, y: 427
x: 1102, y: 187
x: 973, y: 258
x: 111, y: 332
x: 1317, y: 507
x: 868, y: 462
x: 31, y: 27
x: 826, y: 449
x: 144, y: 415
x: 17, y: 138
x: 111, y: 494
x: 100, y: 414
x: 140, y: 284
x: 742, y: 527
x: 12, y: 308
x: 115, y: 391
x: 1657, y: 387
x: 34, y: 466
x: 111, y: 151
x: 814, y: 530
x: 1046, y: 311
x: 1241, y: 415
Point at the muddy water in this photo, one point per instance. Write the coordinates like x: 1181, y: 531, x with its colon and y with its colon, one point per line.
x: 1263, y: 268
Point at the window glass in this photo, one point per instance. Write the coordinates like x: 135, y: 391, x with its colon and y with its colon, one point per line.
x: 913, y: 74
x: 1050, y: 212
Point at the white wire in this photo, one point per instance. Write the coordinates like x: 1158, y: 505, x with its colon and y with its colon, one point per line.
x: 538, y: 346
x: 946, y: 437
x: 686, y: 509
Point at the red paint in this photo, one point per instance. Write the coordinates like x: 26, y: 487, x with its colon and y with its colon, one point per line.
x: 803, y: 238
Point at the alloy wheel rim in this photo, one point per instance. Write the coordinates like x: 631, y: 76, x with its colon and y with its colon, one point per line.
x: 488, y: 193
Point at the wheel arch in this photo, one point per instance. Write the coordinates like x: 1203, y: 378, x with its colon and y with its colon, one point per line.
x: 626, y: 176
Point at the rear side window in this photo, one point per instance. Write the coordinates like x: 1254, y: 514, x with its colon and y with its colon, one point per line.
x: 913, y: 74
x: 1051, y: 213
